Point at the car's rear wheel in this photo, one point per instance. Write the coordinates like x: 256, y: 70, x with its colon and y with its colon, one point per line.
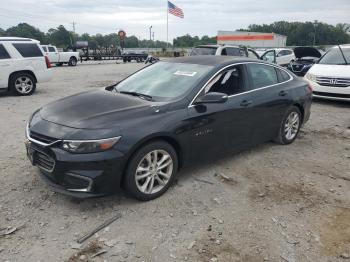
x: 290, y: 126
x: 22, y: 84
x: 151, y: 170
x: 72, y: 61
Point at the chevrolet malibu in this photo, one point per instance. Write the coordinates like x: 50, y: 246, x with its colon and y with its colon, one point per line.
x: 139, y: 132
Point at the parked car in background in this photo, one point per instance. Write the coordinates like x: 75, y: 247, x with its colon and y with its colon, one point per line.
x: 60, y: 58
x: 140, y: 131
x: 224, y: 50
x: 22, y: 65
x: 280, y: 56
x: 330, y: 77
x: 305, y: 57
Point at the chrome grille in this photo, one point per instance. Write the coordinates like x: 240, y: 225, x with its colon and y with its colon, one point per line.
x: 333, y: 81
x: 42, y: 138
x: 297, y: 68
x: 44, y: 161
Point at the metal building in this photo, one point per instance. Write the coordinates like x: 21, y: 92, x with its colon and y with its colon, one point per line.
x: 252, y: 39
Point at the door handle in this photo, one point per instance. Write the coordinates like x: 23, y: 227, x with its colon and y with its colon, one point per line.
x: 283, y: 93
x: 245, y: 103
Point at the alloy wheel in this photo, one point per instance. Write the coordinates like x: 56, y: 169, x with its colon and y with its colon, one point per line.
x: 24, y: 85
x: 291, y: 125
x: 154, y: 171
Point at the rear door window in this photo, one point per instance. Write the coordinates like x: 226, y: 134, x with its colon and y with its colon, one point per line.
x: 3, y: 53
x: 230, y: 82
x: 262, y: 75
x: 51, y: 49
x: 28, y: 50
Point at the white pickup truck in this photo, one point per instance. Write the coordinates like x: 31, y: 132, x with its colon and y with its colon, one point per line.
x: 60, y: 58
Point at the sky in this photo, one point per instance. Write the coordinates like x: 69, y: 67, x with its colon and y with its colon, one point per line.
x: 202, y: 17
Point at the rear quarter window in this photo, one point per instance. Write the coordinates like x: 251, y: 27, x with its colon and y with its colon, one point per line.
x: 3, y: 53
x: 28, y: 50
x: 283, y: 75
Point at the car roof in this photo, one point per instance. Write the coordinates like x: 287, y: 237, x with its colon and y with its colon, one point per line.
x: 216, y: 46
x: 279, y: 49
x: 211, y: 60
x: 17, y: 39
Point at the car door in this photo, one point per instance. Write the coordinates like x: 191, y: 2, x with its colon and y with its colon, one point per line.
x: 269, y: 56
x: 285, y: 56
x: 270, y: 97
x: 219, y: 128
x: 5, y: 66
x: 53, y: 54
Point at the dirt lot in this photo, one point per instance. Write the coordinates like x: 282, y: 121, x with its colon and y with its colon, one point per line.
x: 271, y: 203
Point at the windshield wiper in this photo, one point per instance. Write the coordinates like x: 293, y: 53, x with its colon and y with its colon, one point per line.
x: 144, y: 96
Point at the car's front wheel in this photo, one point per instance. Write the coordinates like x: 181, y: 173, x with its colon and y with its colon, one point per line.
x: 290, y: 126
x: 151, y: 170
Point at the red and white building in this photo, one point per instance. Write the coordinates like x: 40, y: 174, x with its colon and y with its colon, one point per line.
x: 252, y: 39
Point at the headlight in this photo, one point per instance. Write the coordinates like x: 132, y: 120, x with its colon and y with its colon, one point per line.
x: 89, y: 146
x: 310, y: 77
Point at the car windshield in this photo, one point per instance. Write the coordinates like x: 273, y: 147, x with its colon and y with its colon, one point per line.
x: 335, y: 56
x: 164, y: 81
x: 203, y: 51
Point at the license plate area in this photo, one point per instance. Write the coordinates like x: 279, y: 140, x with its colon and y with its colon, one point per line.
x: 39, y: 158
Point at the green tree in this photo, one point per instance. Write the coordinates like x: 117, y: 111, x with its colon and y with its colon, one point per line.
x: 305, y: 33
x: 60, y: 37
x: 25, y: 30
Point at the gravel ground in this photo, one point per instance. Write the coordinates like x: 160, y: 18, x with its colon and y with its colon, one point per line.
x: 271, y: 203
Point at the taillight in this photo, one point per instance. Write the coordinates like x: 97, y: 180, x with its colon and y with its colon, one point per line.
x: 47, y: 60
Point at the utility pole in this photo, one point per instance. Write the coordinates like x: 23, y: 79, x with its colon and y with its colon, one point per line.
x: 315, y: 26
x: 153, y: 35
x: 74, y: 26
x: 72, y: 40
x: 150, y: 33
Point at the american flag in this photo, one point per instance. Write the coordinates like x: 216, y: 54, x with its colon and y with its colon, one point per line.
x: 174, y: 10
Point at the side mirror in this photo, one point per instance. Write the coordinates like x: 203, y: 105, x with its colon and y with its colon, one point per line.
x: 211, y: 98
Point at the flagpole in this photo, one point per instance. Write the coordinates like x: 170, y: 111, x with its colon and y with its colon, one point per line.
x: 167, y: 24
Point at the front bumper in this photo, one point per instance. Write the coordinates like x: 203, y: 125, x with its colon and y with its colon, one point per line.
x: 78, y: 175
x: 330, y: 92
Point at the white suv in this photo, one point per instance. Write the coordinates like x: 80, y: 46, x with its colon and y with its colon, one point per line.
x: 330, y: 77
x: 22, y: 65
x: 280, y: 56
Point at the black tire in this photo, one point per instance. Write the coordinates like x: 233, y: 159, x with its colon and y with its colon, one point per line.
x: 72, y: 61
x: 17, y: 77
x: 130, y: 174
x: 282, y: 137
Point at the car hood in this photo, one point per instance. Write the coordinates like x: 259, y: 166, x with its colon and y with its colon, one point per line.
x: 96, y: 109
x: 341, y: 71
x: 306, y: 52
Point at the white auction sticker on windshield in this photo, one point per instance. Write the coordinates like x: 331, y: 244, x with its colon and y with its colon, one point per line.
x: 184, y: 73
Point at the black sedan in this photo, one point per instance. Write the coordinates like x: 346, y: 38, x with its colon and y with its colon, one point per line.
x: 137, y: 133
